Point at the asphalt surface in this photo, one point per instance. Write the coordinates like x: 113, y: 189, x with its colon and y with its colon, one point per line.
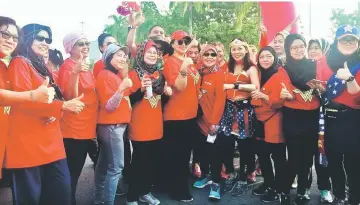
x: 86, y: 187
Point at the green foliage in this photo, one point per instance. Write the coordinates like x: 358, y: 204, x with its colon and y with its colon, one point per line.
x: 210, y: 21
x: 339, y: 18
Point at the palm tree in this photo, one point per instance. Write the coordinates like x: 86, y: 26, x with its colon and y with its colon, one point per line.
x: 118, y: 28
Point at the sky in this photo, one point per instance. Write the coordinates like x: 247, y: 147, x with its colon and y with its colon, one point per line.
x: 65, y: 16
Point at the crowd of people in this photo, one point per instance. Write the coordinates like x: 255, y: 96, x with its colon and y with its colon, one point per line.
x: 293, y: 103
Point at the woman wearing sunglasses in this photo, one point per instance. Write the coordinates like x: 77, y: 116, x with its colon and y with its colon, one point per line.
x: 180, y: 115
x: 211, y: 101
x: 341, y: 71
x: 35, y: 150
x: 75, y: 79
x: 241, y: 79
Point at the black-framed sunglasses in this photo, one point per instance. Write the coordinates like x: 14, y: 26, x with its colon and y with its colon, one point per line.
x: 182, y: 41
x: 210, y: 54
x: 42, y: 38
x: 7, y: 36
x: 82, y: 44
x: 348, y: 40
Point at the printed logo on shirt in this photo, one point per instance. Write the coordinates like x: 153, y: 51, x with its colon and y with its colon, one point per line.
x: 306, y: 96
x: 7, y: 110
x: 153, y: 100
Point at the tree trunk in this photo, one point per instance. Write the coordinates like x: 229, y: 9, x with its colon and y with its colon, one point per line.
x: 190, y: 17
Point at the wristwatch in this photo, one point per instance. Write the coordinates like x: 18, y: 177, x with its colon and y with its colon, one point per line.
x: 351, y: 78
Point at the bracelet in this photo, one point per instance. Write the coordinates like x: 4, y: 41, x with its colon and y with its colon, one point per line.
x: 183, y: 73
x: 236, y: 86
x: 32, y: 95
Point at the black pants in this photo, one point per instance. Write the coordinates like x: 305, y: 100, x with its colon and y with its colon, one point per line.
x: 268, y: 152
x: 76, y: 152
x: 342, y: 147
x: 42, y: 185
x: 127, y: 157
x: 143, y: 168
x: 94, y: 152
x: 322, y: 175
x: 177, y: 142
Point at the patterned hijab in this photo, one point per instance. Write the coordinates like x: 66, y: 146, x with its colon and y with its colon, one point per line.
x: 141, y: 68
x: 207, y: 70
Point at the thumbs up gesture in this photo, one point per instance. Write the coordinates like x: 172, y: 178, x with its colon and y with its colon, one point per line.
x: 44, y: 93
x: 343, y: 73
x: 82, y: 65
x: 285, y: 94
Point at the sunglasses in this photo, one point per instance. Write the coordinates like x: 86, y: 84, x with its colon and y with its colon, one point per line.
x: 82, y: 44
x: 182, y: 41
x: 210, y: 54
x: 109, y: 43
x: 42, y: 39
x: 7, y: 36
x: 351, y: 41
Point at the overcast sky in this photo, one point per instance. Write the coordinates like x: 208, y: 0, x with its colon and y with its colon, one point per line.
x: 64, y: 16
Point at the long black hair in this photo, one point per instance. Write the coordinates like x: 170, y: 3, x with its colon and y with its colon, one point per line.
x: 56, y: 57
x: 247, y: 61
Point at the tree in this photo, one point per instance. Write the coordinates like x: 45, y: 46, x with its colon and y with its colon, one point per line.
x: 339, y: 17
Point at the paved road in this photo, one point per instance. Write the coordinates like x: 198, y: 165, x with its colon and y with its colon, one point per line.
x: 85, y: 194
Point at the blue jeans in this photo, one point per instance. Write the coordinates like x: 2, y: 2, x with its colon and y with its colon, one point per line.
x: 110, y: 163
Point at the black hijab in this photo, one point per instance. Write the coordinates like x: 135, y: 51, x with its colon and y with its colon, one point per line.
x: 30, y: 31
x: 267, y: 73
x: 336, y: 60
x: 299, y: 71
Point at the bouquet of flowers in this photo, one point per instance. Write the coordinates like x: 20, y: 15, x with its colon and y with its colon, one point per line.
x: 127, y: 7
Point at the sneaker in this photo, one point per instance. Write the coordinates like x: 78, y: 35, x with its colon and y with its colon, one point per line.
x: 294, y: 184
x: 270, y: 196
x: 257, y: 169
x: 251, y: 178
x: 149, y: 199
x: 201, y: 183
x: 230, y: 182
x: 302, y: 199
x: 326, y: 196
x: 284, y: 199
x: 261, y: 190
x: 240, y: 188
x: 214, y: 191
x: 131, y: 203
x: 184, y: 198
x: 197, y: 170
x: 338, y: 201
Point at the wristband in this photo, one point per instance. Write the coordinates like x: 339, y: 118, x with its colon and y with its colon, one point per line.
x: 236, y: 86
x: 351, y: 78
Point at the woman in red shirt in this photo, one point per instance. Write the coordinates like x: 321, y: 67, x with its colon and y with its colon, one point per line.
x: 300, y: 116
x: 146, y: 125
x: 115, y: 112
x: 78, y: 130
x: 237, y: 121
x: 342, y: 112
x: 104, y: 40
x: 270, y: 144
x: 212, y: 102
x: 35, y: 150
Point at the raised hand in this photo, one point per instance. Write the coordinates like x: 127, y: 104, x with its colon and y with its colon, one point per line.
x: 343, y: 73
x: 74, y: 105
x: 44, y: 93
x: 285, y: 94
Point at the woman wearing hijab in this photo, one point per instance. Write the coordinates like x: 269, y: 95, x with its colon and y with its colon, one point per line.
x: 112, y: 85
x: 35, y: 150
x: 238, y: 117
x: 212, y: 102
x: 75, y: 79
x: 146, y: 125
x: 180, y: 114
x: 341, y: 102
x: 317, y: 49
x: 300, y: 116
x: 271, y: 144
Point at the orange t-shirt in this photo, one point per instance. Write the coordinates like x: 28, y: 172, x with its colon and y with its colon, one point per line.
x: 31, y: 142
x: 83, y: 125
x: 146, y: 119
x: 225, y: 67
x: 4, y: 84
x: 324, y: 73
x: 98, y: 66
x: 182, y: 105
x: 107, y: 84
x: 212, y: 100
x: 302, y: 100
x: 270, y: 111
x: 55, y: 75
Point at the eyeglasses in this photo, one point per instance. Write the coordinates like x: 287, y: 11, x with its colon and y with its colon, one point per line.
x: 182, y: 41
x: 296, y: 48
x: 351, y: 41
x: 7, y: 36
x: 42, y: 39
x: 82, y: 44
x: 210, y: 54
x: 109, y: 43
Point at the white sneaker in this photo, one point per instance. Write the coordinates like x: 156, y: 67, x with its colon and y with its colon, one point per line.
x: 149, y: 199
x: 294, y: 184
x: 326, y: 197
x: 131, y: 203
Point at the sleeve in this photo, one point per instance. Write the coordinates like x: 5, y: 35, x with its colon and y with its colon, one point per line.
x: 219, y: 105
x: 109, y: 98
x: 274, y: 97
x: 20, y: 79
x: 135, y: 93
x: 64, y: 76
x: 171, y: 72
x: 284, y: 79
x: 97, y: 68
